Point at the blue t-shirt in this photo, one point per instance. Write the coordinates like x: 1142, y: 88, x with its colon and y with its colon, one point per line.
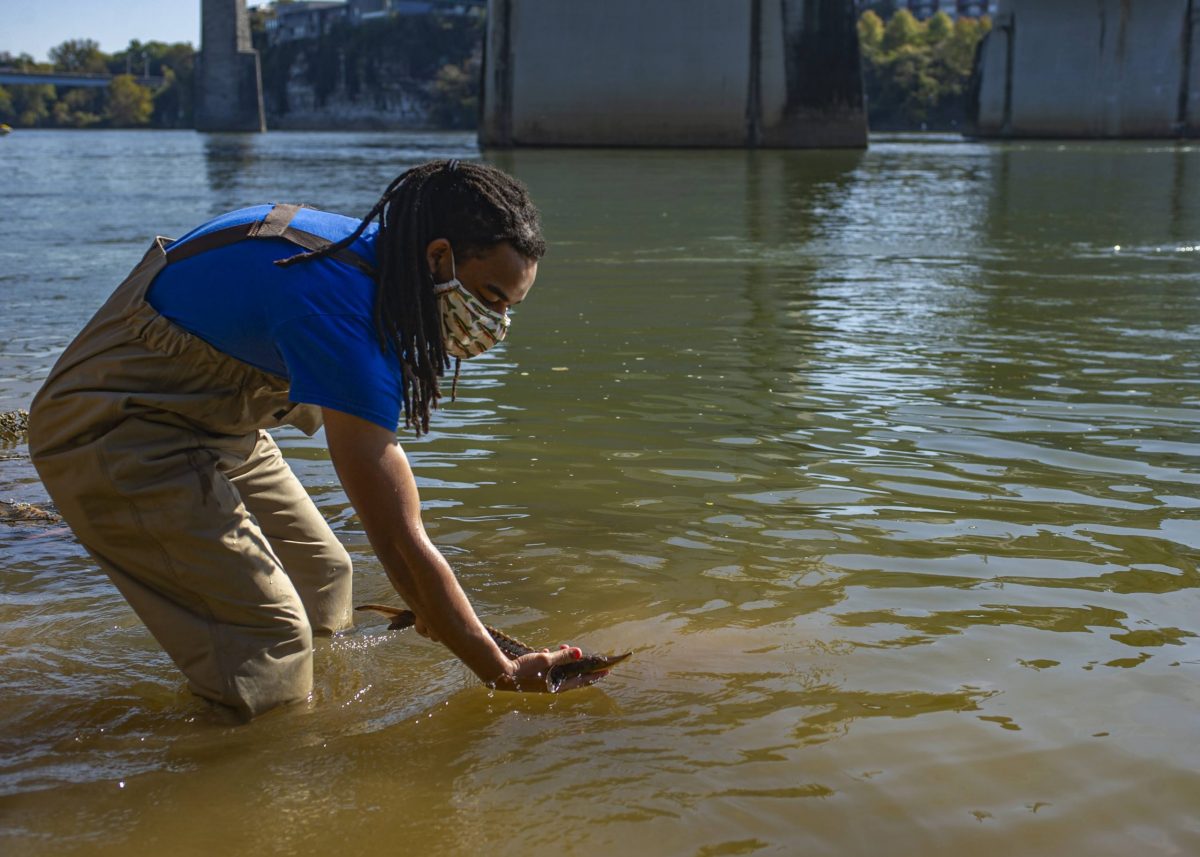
x: 312, y: 323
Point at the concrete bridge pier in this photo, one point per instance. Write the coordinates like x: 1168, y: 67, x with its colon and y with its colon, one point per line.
x: 1091, y: 68
x: 771, y: 73
x: 229, y: 93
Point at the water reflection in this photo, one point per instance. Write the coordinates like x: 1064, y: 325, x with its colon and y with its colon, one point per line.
x: 883, y: 463
x: 1041, y: 187
x: 226, y: 158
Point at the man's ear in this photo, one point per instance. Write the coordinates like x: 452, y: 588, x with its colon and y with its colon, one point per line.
x: 437, y: 254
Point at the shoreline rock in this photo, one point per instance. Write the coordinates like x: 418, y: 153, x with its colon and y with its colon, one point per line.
x: 14, y: 425
x: 16, y: 512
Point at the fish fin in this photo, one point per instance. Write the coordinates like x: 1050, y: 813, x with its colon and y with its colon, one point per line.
x: 400, y: 618
x: 511, y: 646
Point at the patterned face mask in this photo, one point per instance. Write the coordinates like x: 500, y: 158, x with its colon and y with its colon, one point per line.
x: 469, y: 326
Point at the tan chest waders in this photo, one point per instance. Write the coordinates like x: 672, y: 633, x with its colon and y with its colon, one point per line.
x: 153, y: 445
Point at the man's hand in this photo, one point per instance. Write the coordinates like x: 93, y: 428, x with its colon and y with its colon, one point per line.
x: 423, y: 629
x: 531, y: 672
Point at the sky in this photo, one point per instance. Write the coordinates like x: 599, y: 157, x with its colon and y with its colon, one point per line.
x: 35, y: 26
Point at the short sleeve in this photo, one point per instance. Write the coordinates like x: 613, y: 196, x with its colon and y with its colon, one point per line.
x: 334, y: 361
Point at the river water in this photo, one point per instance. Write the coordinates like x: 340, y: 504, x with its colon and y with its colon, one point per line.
x: 883, y: 463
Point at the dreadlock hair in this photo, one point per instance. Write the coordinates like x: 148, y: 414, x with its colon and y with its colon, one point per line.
x: 471, y: 205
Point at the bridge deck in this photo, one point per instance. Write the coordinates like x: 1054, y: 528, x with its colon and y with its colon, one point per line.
x: 10, y: 77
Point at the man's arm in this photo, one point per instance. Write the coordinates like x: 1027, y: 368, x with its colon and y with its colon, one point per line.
x: 375, y: 473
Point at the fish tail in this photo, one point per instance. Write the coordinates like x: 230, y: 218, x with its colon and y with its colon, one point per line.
x: 401, y: 618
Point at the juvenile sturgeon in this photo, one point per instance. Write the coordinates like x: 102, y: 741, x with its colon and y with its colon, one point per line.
x: 514, y: 648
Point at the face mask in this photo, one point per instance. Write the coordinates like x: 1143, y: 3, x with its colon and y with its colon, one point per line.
x: 469, y: 326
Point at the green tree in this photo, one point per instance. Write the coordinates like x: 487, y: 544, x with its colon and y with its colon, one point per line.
x: 456, y: 94
x: 32, y: 104
x: 938, y: 28
x: 20, y: 62
x: 960, y: 47
x: 901, y: 31
x: 28, y: 105
x: 870, y: 33
x: 178, y: 56
x: 6, y: 107
x: 77, y: 108
x: 79, y: 55
x: 916, y: 75
x: 175, y: 63
x: 129, y: 103
x: 172, y: 103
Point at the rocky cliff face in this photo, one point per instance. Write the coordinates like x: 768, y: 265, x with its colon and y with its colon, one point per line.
x: 415, y: 72
x: 295, y: 102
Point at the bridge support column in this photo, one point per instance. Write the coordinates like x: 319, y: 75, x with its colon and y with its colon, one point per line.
x: 778, y: 73
x: 228, y: 77
x: 1091, y: 68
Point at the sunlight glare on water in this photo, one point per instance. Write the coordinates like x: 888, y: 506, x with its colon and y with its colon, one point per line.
x: 883, y: 463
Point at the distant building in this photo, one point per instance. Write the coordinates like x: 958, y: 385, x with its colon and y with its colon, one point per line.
x: 970, y: 8
x: 304, y: 19
x: 360, y: 9
x: 923, y: 9
x: 365, y: 10
x: 307, y: 19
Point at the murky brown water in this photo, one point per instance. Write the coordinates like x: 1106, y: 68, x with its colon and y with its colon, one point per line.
x: 885, y: 463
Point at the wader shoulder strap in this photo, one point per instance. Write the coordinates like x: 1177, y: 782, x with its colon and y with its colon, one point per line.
x: 277, y: 224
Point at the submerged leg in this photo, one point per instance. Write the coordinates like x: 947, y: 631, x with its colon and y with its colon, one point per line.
x: 152, y: 503
x: 312, y: 556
